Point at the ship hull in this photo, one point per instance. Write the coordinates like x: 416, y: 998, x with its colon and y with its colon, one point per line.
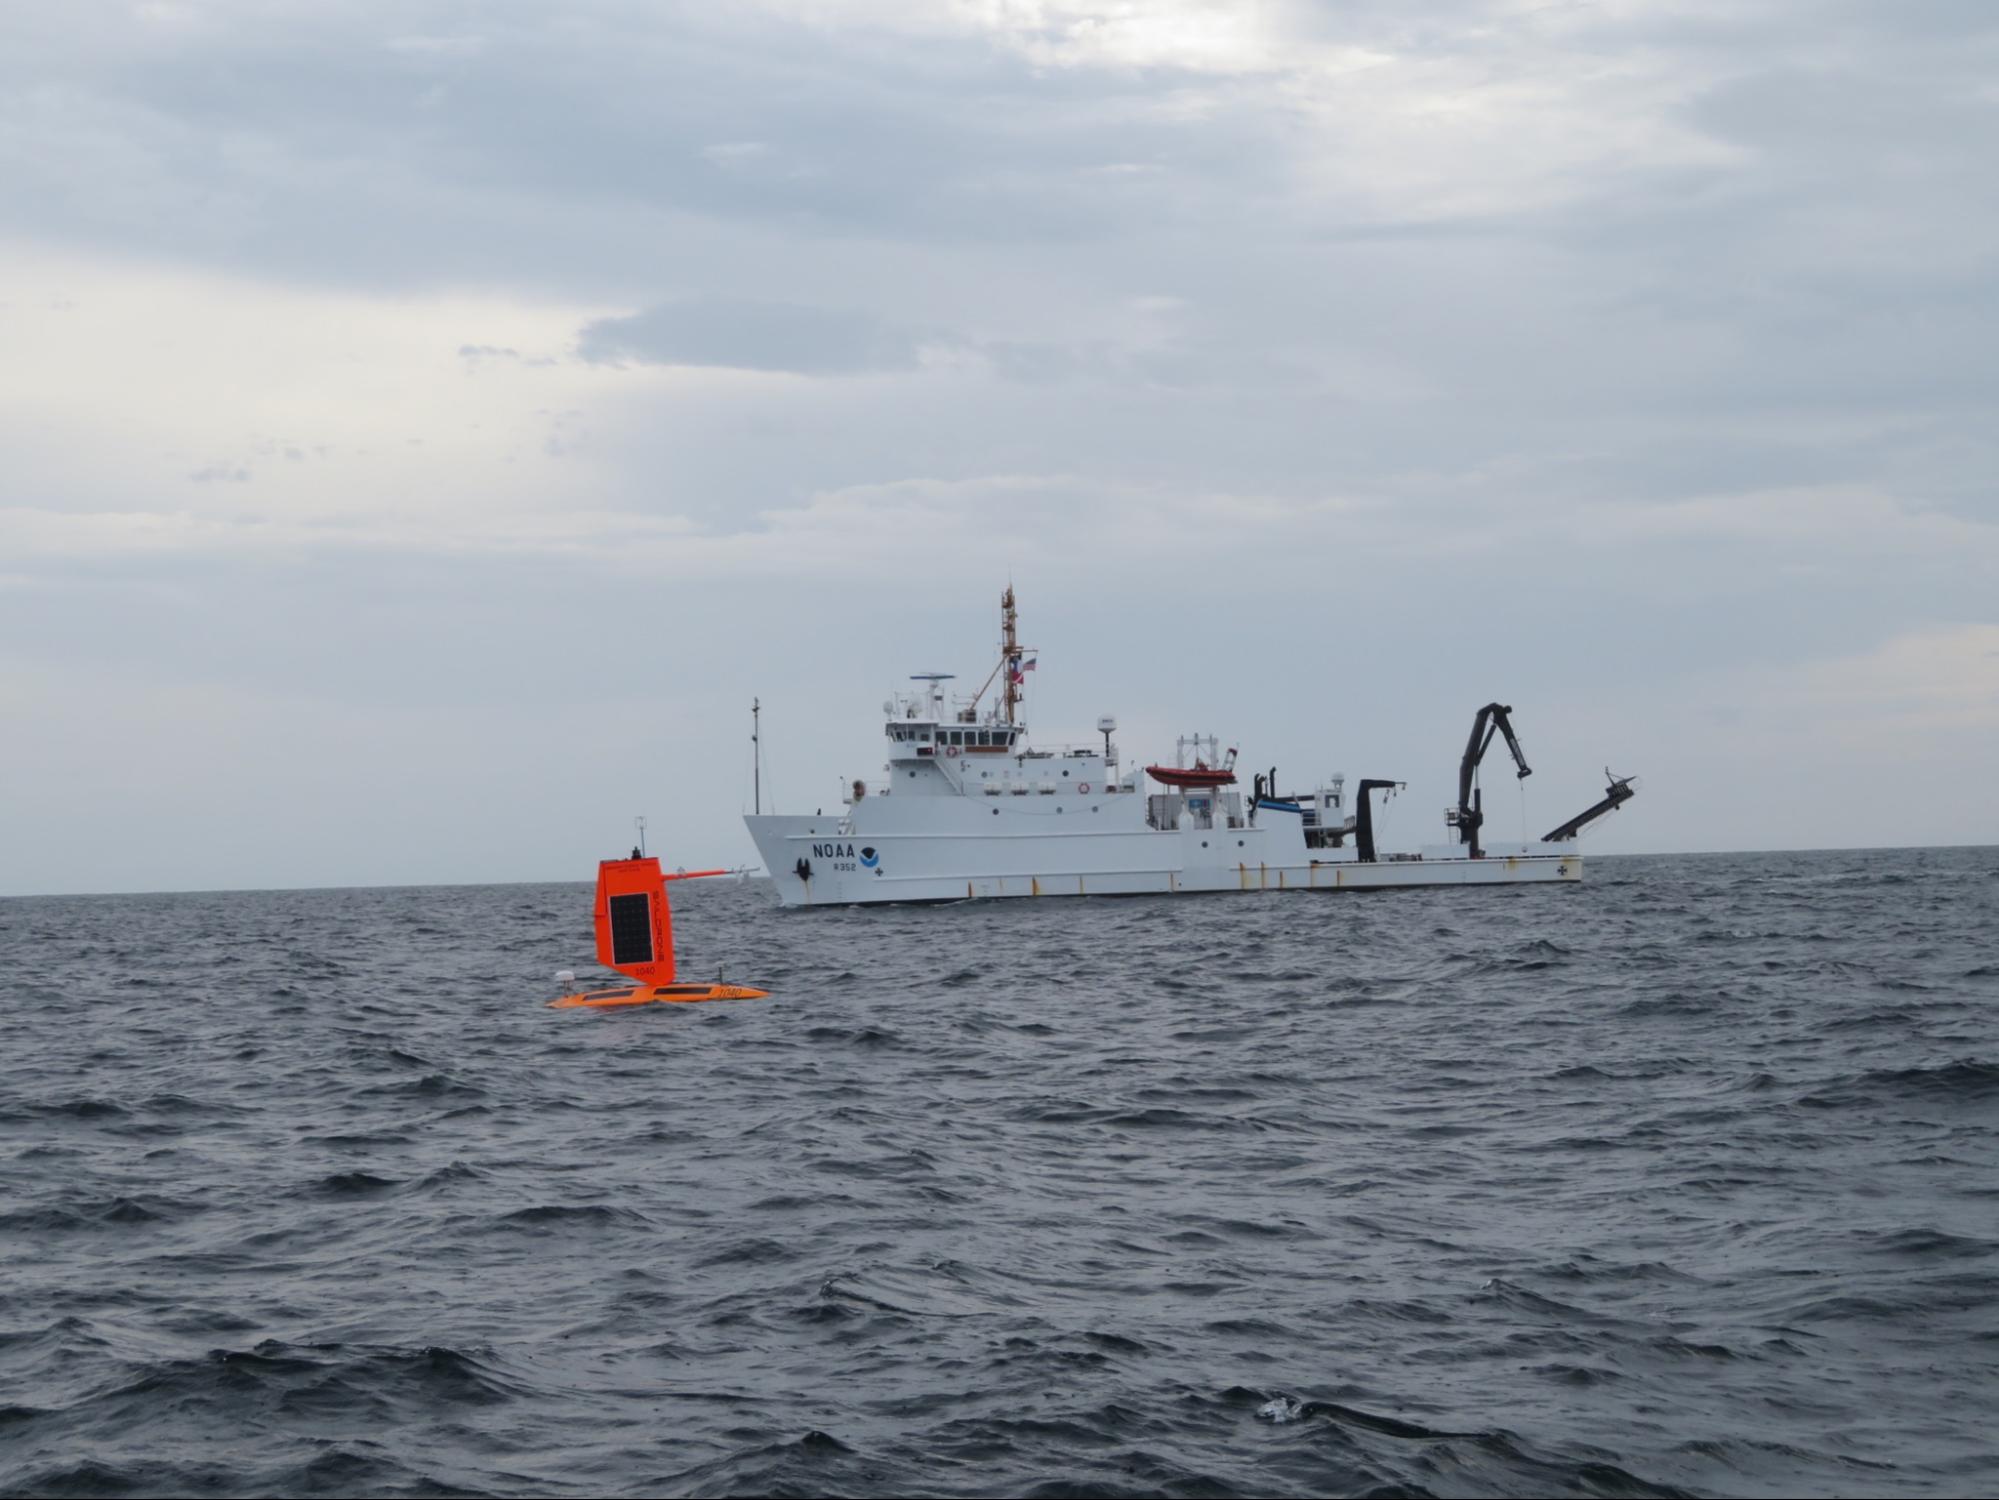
x: 829, y: 861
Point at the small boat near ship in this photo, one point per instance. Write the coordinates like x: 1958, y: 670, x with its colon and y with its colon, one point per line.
x: 972, y: 808
x: 1199, y: 774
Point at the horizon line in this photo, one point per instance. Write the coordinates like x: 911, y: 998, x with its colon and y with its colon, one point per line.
x: 763, y: 874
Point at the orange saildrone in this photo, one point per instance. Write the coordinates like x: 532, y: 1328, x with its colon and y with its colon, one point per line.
x: 635, y: 937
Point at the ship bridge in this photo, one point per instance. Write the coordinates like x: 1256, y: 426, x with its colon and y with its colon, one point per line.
x: 919, y: 726
x: 939, y: 749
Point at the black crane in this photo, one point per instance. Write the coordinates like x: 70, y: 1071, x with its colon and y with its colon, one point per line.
x: 1363, y: 826
x: 1620, y: 791
x: 1469, y: 814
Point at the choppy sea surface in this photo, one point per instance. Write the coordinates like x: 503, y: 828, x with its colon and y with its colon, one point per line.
x: 1682, y: 1181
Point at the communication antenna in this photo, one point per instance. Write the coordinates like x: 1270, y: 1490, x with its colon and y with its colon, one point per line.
x: 756, y: 752
x: 642, y: 833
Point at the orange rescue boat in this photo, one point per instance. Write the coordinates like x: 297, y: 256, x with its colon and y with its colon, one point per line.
x: 1191, y: 776
x: 635, y: 937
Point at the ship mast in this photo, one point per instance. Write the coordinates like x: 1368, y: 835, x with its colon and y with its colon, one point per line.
x: 1009, y: 651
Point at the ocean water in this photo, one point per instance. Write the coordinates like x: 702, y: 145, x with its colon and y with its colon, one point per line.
x: 1685, y: 1181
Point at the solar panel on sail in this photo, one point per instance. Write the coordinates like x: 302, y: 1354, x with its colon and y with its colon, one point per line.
x: 631, y: 929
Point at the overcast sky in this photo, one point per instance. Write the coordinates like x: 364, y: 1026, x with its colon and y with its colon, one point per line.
x: 424, y: 426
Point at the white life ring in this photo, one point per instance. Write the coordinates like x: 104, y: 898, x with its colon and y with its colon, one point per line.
x: 1083, y: 788
x: 950, y: 749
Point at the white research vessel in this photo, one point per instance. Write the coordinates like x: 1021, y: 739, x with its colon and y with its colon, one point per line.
x: 971, y: 809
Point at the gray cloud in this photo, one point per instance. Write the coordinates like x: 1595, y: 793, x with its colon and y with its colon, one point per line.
x: 752, y: 335
x: 352, y: 159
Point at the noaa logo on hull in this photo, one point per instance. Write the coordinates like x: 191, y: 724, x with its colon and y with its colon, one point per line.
x: 869, y: 858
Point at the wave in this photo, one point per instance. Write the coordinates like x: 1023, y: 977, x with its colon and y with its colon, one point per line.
x: 1967, y: 1081
x: 572, y: 1216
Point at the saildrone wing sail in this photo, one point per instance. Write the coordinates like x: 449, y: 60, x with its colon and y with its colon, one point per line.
x: 634, y: 923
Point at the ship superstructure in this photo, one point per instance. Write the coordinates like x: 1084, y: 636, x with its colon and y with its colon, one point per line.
x: 971, y: 807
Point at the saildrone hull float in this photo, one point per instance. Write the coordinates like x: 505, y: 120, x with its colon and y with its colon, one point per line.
x: 657, y: 994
